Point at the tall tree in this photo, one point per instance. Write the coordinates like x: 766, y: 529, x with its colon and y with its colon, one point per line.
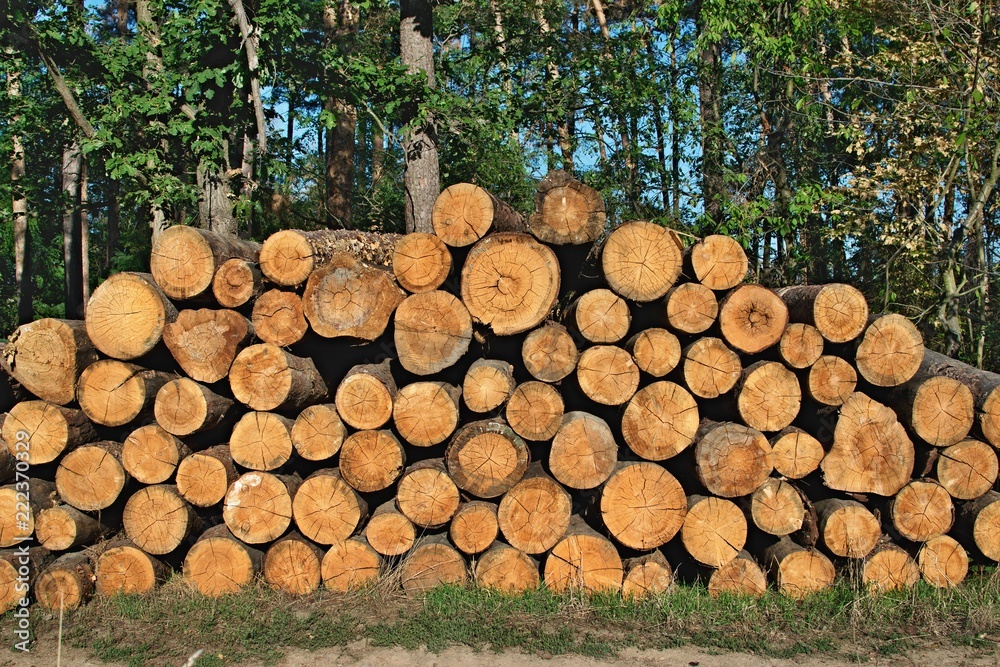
x: 340, y: 21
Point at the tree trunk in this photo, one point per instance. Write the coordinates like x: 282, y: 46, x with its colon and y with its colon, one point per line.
x: 340, y: 21
x: 72, y: 165
x: 19, y: 208
x: 421, y: 180
x: 713, y: 187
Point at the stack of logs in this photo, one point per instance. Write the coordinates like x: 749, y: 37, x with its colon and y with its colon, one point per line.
x: 505, y: 401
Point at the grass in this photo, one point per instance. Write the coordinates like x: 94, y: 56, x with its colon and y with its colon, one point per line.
x: 257, y: 623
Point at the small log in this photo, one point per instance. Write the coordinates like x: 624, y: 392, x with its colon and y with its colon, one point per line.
x: 535, y: 513
x: 847, y: 528
x: 922, y: 510
x: 752, y: 318
x: 44, y: 431
x: 967, y: 470
x: 642, y: 505
x: 777, y: 508
x: 795, y: 454
x: 261, y: 441
x: 839, y: 312
x: 710, y: 368
x: 740, y: 576
x: 655, y: 351
x: 768, y: 396
x: 91, y: 477
x: 506, y: 569
x: 691, y: 308
x: 66, y: 584
x: 47, y: 357
x: 732, y: 460
x: 535, y: 410
x: 421, y: 262
x: 326, y: 509
x: 114, y: 393
x: 158, y: 520
x: 389, y: 532
x: 549, y: 353
x: 474, y: 528
x: 293, y: 565
x: 889, y: 568
x: 801, y: 345
x: 641, y: 260
x: 871, y: 452
x: 798, y: 571
x: 464, y: 213
x: 432, y: 562
x: 831, y: 380
x: 350, y: 298
x: 364, y: 397
x: 20, y: 506
x: 184, y: 260
x: 584, y: 452
x: 266, y: 377
x: 127, y: 314
x: 488, y: 384
x: 63, y: 527
x: 258, y: 506
x: 18, y: 573
x: 204, y: 477
x: 486, y: 458
x: 890, y: 352
x: 433, y: 330
x: 350, y: 565
x: 718, y: 262
x: 567, y: 212
x: 426, y: 413
x: 279, y: 318
x: 510, y: 282
x: 714, y: 530
x: 371, y: 460
x: 126, y: 569
x: 939, y: 409
x: 318, y: 432
x: 151, y: 455
x: 607, y: 375
x: 600, y: 316
x: 584, y: 561
x: 184, y: 407
x: 237, y: 282
x: 205, y: 342
x: 979, y: 525
x: 288, y: 257
x: 647, y: 576
x: 943, y: 562
x: 219, y: 563
x: 427, y: 495
x: 985, y: 389
x: 660, y: 421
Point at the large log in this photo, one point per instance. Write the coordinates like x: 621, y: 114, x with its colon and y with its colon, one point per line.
x: 607, y: 374
x: 890, y: 352
x: 939, y: 409
x: 985, y: 387
x: 158, y: 520
x: 967, y: 470
x: 768, y: 396
x: 261, y: 441
x: 847, y: 528
x: 204, y: 477
x: 371, y: 460
x: 44, y: 431
x: 205, y: 342
x: 288, y: 257
x: 691, y: 308
x: 19, y: 571
x: 151, y: 455
x: 584, y: 452
x: 127, y: 314
x: 63, y: 527
x: 795, y: 454
x: 258, y: 506
x: 979, y: 525
x: 752, y: 318
x: 279, y: 318
x: 801, y: 345
x: 583, y: 561
x: 426, y: 413
x: 20, y: 506
x: 510, y: 282
x: 871, y: 452
x: 326, y: 509
x: 655, y: 351
x: 237, y: 282
x: 732, y: 459
x: 535, y: 513
x: 421, y: 262
x: 660, y: 421
x: 114, y: 393
x: 714, y: 530
x: 710, y: 368
x: 600, y: 316
x: 549, y: 353
x: 125, y: 569
x: 185, y: 259
x: 641, y: 260
x: 740, y: 576
x: 432, y: 562
x: 567, y: 212
x: 474, y: 528
x: 831, y: 380
x: 91, y: 477
x: 535, y: 410
x: 838, y: 311
x: 318, y: 432
x: 218, y: 563
x: 888, y: 567
x: 365, y: 396
x: 350, y: 298
x: 389, y: 532
x: 184, y: 407
x: 427, y: 495
x: 777, y: 508
x: 432, y: 332
x: 266, y: 377
x: 486, y: 458
x: 488, y: 384
x: 47, y: 357
x: 293, y: 565
x: 506, y: 569
x: 464, y: 213
x: 642, y: 505
x: 717, y: 262
x: 943, y: 562
x: 922, y: 510
x: 798, y: 571
x: 66, y: 584
x: 350, y: 564
x: 647, y: 576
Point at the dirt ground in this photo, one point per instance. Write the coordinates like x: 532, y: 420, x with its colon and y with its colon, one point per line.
x: 360, y: 654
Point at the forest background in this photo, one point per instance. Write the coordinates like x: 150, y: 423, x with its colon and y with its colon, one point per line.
x: 839, y: 140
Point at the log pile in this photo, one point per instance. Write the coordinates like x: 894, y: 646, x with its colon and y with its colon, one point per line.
x: 507, y: 401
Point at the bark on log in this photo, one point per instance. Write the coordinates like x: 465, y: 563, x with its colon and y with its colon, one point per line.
x: 535, y: 513
x: 890, y: 352
x: 740, y: 576
x: 19, y: 507
x: 365, y: 396
x: 350, y: 564
x: 691, y: 308
x: 567, y: 212
x: 584, y: 452
x: 798, y: 571
x: 184, y: 407
x: 326, y: 509
x: 63, y: 527
x: 847, y: 528
x: 939, y: 409
x: 506, y: 569
x: 205, y: 342
x: 607, y: 375
x: 801, y: 345
x: 943, y: 562
x: 219, y: 563
x: 258, y: 506
x: 293, y: 565
x: 985, y: 387
x: 922, y: 510
x: 432, y: 332
x: 535, y: 411
x: 350, y: 298
x: 158, y: 520
x: 114, y: 393
x: 732, y: 459
x: 421, y: 262
x: 45, y: 431
x: 91, y: 477
x: 266, y: 377
x: 389, y: 532
x: 371, y: 460
x: 474, y: 528
x: 426, y: 413
x: 318, y: 432
x: 642, y: 505
x: 714, y: 530
x: 967, y: 470
x: 600, y: 316
x: 486, y: 458
x: 979, y: 524
x: 660, y: 421
x: 66, y: 584
x: 752, y: 318
x: 237, y: 282
x: 710, y: 368
x: 279, y: 318
x: 184, y: 260
x: 647, y: 576
x: 47, y: 357
x: 261, y: 441
x: 795, y: 453
x: 464, y: 213
x: 288, y: 257
x: 488, y: 384
x: 432, y: 562
x: 127, y: 314
x: 889, y: 568
x: 831, y: 380
x: 718, y: 262
x: 151, y: 455
x: 583, y: 561
x: 549, y: 353
x: 204, y: 477
x: 655, y: 351
x: 427, y: 495
x: 839, y: 312
x: 641, y: 260
x: 768, y: 396
x: 125, y: 569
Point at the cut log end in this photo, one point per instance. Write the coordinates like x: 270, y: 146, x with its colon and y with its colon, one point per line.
x: 831, y: 380
x: 889, y: 568
x: 839, y: 312
x: 204, y: 477
x: 719, y: 262
x: 642, y: 505
x: 151, y: 455
x: 691, y: 308
x: 506, y: 569
x: 294, y: 566
x: 66, y: 584
x: 798, y: 572
x: 286, y: 258
x: 431, y: 563
x: 549, y: 353
x: 47, y: 356
x: 218, y: 564
x: 801, y: 345
x: 567, y: 211
x: 583, y: 561
x: 647, y: 576
x: 740, y: 576
x: 205, y: 342
x: 433, y: 331
x: 258, y: 506
x: 389, y: 532
x: 421, y: 262
x: 488, y: 384
x: 350, y: 565
x: 426, y: 413
x: 660, y: 421
x: 655, y: 351
x: 464, y: 213
x: 847, y: 528
x: 601, y: 316
x: 184, y: 260
x: 535, y: 411
x: 427, y: 495
x: 922, y: 510
x: 714, y: 530
x: 968, y: 469
x: 607, y: 375
x: 776, y: 507
x: 752, y: 318
x: 371, y: 460
x: 732, y: 460
x: 278, y: 318
x: 768, y: 396
x: 127, y: 570
x: 474, y: 528
x: 890, y: 352
x: 795, y: 453
x: 943, y: 562
x: 236, y: 283
x: 318, y: 432
x: 158, y: 520
x: 326, y: 509
x: 486, y: 458
x: 535, y: 513
x: 641, y: 260
x: 261, y: 441
x: 584, y: 452
x: 126, y: 315
x: 266, y: 377
x: 710, y: 368
x: 365, y: 396
x: 91, y: 478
